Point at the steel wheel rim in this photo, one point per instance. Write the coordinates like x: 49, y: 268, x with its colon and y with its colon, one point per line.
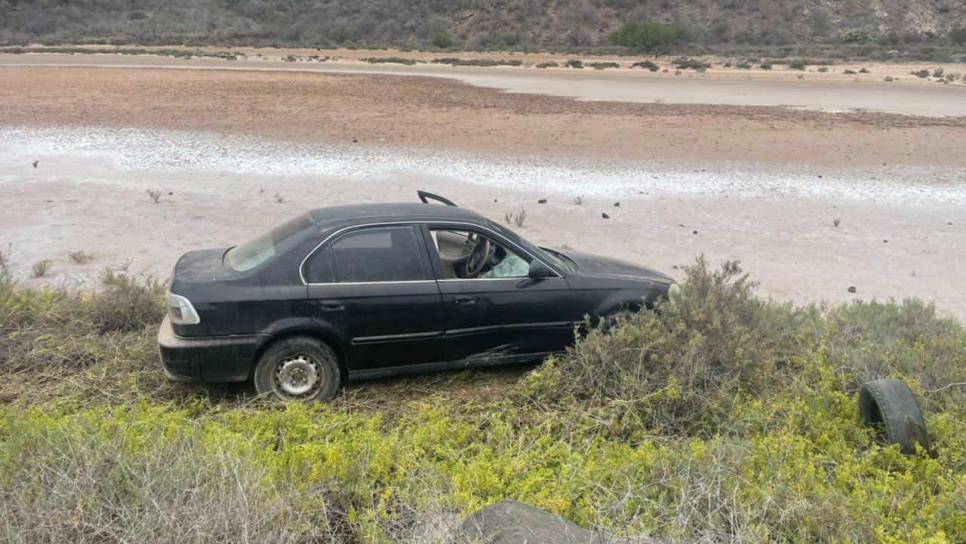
x: 298, y: 375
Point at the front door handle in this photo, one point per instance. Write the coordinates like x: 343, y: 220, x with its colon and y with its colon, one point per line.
x: 464, y: 300
x: 332, y: 305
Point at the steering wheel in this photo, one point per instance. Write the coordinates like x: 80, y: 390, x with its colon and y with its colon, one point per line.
x: 478, y: 258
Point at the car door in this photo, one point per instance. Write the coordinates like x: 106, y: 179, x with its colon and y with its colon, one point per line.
x: 500, y: 315
x: 376, y: 283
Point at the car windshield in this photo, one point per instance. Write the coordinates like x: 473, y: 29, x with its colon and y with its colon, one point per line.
x: 251, y: 254
x: 550, y: 257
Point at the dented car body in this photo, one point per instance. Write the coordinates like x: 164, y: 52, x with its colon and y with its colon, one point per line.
x: 365, y: 291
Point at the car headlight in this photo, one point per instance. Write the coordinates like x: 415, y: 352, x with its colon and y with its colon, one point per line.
x: 181, y: 311
x: 674, y: 290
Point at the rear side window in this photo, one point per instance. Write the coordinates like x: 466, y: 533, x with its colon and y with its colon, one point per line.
x: 371, y: 255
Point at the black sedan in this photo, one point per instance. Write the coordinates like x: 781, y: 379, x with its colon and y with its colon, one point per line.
x: 363, y: 291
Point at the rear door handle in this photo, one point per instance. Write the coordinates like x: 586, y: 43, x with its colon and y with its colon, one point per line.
x: 464, y: 300
x: 332, y: 305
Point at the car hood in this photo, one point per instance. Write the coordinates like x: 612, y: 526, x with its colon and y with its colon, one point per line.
x: 595, y: 265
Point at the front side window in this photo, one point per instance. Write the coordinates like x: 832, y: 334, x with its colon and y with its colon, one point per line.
x: 470, y: 255
x: 374, y: 255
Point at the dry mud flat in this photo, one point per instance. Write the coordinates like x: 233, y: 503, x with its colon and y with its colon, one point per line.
x: 897, y: 236
x: 235, y: 152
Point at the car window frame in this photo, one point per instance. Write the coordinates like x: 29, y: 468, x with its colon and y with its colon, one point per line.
x: 429, y: 272
x: 429, y: 249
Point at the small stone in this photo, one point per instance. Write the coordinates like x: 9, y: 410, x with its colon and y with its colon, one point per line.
x: 355, y: 140
x: 36, y: 163
x: 836, y: 222
x: 605, y: 216
x: 884, y: 241
x: 542, y: 201
x: 694, y: 232
x: 617, y: 204
x: 852, y: 289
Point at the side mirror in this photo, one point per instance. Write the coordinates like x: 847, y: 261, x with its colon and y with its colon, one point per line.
x: 539, y: 271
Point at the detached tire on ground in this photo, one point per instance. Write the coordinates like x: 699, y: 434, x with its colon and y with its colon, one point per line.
x: 890, y: 407
x: 298, y: 369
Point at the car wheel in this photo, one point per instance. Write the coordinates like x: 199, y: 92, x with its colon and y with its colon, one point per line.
x: 298, y: 369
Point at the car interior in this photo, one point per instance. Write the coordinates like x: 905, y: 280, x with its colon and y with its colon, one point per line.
x: 469, y: 255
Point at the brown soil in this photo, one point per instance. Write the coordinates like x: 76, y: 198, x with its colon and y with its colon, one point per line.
x: 444, y: 114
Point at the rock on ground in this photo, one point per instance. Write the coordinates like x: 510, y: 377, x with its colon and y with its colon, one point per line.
x: 512, y: 522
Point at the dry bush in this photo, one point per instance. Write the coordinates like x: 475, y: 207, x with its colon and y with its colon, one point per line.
x: 100, y: 344
x: 690, y: 364
x: 872, y: 340
x: 682, y: 367
x: 518, y: 218
x: 80, y: 257
x: 5, y: 262
x: 86, y: 483
x: 126, y: 303
x: 40, y: 268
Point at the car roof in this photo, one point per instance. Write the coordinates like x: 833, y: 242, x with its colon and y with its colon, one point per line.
x: 361, y: 213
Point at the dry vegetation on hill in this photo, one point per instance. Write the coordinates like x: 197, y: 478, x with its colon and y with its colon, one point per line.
x: 478, y: 24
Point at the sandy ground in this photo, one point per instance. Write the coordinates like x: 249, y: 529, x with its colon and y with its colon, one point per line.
x: 759, y: 184
x: 809, y: 90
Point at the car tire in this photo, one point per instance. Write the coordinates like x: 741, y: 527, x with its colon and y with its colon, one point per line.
x: 298, y: 369
x: 890, y: 407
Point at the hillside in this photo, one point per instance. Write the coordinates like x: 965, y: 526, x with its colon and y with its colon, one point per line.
x: 498, y: 24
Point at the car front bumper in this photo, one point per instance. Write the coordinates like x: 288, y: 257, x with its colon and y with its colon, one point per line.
x: 207, y: 359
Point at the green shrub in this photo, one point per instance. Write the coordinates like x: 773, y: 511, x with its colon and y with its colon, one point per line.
x: 648, y: 35
x: 686, y: 63
x: 797, y: 64
x: 477, y: 62
x: 442, y: 40
x: 390, y: 60
x: 646, y: 64
x: 603, y: 65
x: 921, y: 74
x: 682, y: 368
x: 574, y: 63
x: 550, y: 64
x: 958, y: 35
x: 857, y: 36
